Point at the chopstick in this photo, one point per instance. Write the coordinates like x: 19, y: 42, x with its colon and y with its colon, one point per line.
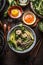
x: 35, y: 47
x: 38, y: 48
x: 5, y: 28
x: 36, y: 52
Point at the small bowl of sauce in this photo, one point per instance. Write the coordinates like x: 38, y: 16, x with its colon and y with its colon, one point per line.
x: 29, y: 18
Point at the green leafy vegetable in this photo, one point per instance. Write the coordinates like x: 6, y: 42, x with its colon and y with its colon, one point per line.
x: 12, y: 2
x: 12, y: 39
x: 38, y: 6
x: 40, y: 25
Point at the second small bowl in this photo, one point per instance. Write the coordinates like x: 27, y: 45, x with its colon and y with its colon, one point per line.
x: 29, y: 18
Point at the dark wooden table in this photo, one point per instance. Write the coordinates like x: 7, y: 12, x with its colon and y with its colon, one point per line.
x: 11, y: 58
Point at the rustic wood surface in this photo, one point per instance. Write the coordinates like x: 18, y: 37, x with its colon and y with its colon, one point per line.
x: 35, y: 57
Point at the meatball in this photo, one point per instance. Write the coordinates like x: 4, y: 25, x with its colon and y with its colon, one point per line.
x: 18, y: 32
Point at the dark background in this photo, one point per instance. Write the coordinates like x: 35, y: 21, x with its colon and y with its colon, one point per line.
x: 11, y: 58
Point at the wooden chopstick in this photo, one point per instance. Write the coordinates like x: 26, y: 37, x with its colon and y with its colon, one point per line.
x: 39, y: 42
x: 36, y: 52
x: 35, y: 47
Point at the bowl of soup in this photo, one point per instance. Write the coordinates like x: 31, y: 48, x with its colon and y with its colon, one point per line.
x: 21, y: 38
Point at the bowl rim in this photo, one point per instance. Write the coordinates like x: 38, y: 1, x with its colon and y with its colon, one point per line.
x: 3, y: 5
x: 2, y: 36
x: 27, y: 50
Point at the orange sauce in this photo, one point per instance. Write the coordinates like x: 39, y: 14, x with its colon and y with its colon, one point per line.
x: 29, y: 18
